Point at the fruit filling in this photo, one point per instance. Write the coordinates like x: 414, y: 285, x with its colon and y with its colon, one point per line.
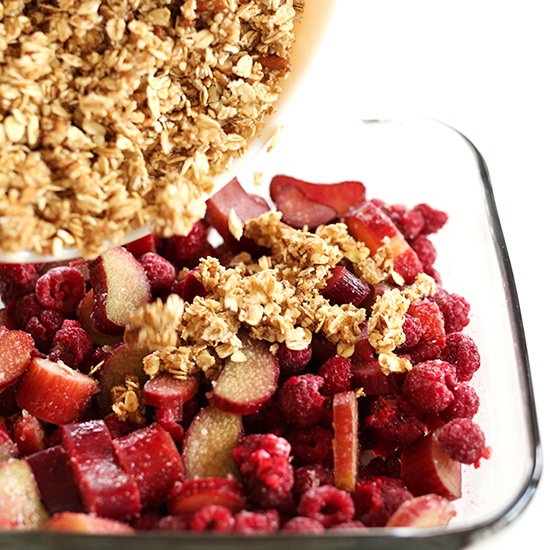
x: 295, y: 368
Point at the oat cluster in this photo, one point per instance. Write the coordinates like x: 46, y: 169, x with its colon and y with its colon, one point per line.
x: 117, y: 113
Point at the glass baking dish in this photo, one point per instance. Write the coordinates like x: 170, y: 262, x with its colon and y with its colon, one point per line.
x: 409, y: 161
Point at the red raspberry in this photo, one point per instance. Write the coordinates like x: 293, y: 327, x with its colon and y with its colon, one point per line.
x: 306, y: 477
x: 336, y: 373
x: 213, y: 518
x: 16, y: 280
x: 434, y: 219
x: 462, y: 352
x: 160, y: 272
x: 299, y: 524
x: 428, y: 385
x: 311, y: 446
x: 425, y: 250
x: 412, y: 328
x: 249, y: 523
x: 71, y: 344
x: 455, y: 310
x: 410, y: 224
x: 172, y: 523
x: 377, y: 499
x: 464, y: 405
x: 462, y: 439
x: 269, y: 419
x: 301, y: 401
x: 267, y: 476
x: 25, y: 308
x: 327, y: 504
x: 39, y: 334
x: 61, y: 289
x: 292, y: 362
x: 389, y: 466
x: 185, y: 251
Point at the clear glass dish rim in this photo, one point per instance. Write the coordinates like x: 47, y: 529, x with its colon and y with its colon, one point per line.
x: 379, y: 538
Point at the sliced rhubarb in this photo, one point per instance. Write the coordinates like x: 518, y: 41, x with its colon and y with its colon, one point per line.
x: 189, y: 287
x: 339, y: 196
x: 8, y: 448
x: 57, y: 488
x: 15, y: 355
x: 105, y: 488
x: 345, y: 444
x: 423, y: 511
x: 120, y: 286
x: 343, y: 287
x: 151, y: 458
x: 54, y: 392
x: 71, y: 522
x: 244, y: 386
x: 369, y: 376
x: 84, y: 314
x: 208, y: 444
x: 29, y: 434
x: 164, y: 391
x: 190, y: 496
x: 425, y: 469
x: 20, y: 505
x: 141, y: 246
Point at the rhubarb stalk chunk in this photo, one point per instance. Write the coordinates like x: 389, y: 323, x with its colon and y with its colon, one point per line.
x: 346, y: 440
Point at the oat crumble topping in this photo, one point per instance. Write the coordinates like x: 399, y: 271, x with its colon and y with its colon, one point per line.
x: 128, y: 401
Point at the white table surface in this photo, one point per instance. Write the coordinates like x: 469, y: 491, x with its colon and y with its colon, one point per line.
x: 482, y: 67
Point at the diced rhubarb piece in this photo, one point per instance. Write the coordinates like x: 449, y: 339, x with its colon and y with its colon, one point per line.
x: 370, y: 377
x: 370, y: 225
x: 143, y: 245
x: 120, y: 286
x: 190, y: 496
x: 164, y: 391
x: 29, y: 434
x: 431, y: 320
x: 151, y: 458
x: 243, y: 387
x: 8, y: 448
x: 105, y: 488
x: 15, y: 355
x: 72, y: 522
x: 341, y: 196
x: 54, y: 392
x: 344, y: 287
x: 345, y: 444
x: 208, y: 444
x: 423, y: 511
x: 363, y: 350
x: 58, y: 490
x: 20, y: 505
x: 121, y: 361
x: 84, y: 315
x: 425, y: 469
x: 299, y: 211
x: 189, y: 287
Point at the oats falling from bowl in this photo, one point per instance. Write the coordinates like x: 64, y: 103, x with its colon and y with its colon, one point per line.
x: 117, y: 114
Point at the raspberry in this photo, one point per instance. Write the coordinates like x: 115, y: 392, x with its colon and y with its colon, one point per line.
x: 311, y: 446
x: 264, y: 464
x: 412, y: 328
x: 425, y: 250
x: 25, y: 308
x: 172, y: 523
x: 39, y: 334
x: 71, y: 344
x: 377, y: 499
x: 185, y: 251
x: 434, y: 219
x: 462, y: 352
x: 300, y: 400
x: 395, y: 420
x: 464, y: 405
x: 61, y: 289
x: 336, y: 373
x: 306, y: 477
x: 160, y: 272
x: 455, y: 310
x: 213, y: 518
x: 427, y: 385
x: 425, y: 351
x: 292, y: 362
x: 462, y: 439
x: 248, y: 523
x: 16, y: 280
x: 327, y: 504
x: 269, y: 419
x: 299, y: 524
x: 352, y: 525
x: 410, y: 224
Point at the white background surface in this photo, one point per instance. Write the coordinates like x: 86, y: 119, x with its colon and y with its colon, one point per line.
x: 482, y: 67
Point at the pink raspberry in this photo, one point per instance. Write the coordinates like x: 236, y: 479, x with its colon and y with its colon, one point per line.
x: 412, y: 328
x: 267, y: 476
x: 425, y: 250
x: 377, y: 499
x: 434, y: 219
x: 462, y: 352
x: 327, y: 504
x: 269, y: 419
x: 172, y: 523
x: 212, y: 518
x: 389, y: 466
x: 428, y: 385
x: 160, y: 272
x: 301, y: 401
x: 292, y: 362
x: 313, y: 475
x: 16, y: 280
x: 462, y: 439
x: 299, y: 524
x: 249, y: 523
x: 25, y: 308
x: 311, y: 446
x: 44, y: 327
x: 336, y: 373
x: 185, y: 251
x: 410, y: 224
x: 455, y: 310
x: 464, y: 405
x: 71, y: 344
x: 61, y: 289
